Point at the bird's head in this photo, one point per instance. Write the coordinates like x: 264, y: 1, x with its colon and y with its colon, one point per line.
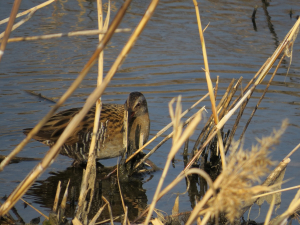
x: 136, y: 105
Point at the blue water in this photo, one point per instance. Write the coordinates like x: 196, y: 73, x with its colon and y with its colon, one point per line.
x: 165, y: 62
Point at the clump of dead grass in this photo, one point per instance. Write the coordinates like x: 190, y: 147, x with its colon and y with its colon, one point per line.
x: 244, y: 169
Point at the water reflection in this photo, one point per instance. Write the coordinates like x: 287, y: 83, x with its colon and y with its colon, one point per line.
x: 134, y: 194
x: 165, y: 62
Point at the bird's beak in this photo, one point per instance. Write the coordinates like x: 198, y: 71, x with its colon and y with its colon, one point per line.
x: 130, y: 114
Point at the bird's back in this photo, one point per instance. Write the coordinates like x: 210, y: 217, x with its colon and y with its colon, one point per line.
x: 109, y: 136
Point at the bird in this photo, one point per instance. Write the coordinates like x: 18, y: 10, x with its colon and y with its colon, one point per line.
x: 109, y: 137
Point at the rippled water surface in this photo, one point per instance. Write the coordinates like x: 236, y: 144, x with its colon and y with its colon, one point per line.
x: 165, y: 62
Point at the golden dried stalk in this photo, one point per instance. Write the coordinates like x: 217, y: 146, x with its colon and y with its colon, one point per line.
x: 235, y: 182
x: 209, y: 85
x: 53, y: 152
x: 69, y: 34
x: 29, y: 10
x: 178, y: 140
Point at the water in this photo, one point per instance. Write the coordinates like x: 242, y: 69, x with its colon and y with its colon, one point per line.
x: 165, y: 62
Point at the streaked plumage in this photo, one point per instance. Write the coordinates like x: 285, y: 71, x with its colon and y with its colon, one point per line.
x: 110, y: 134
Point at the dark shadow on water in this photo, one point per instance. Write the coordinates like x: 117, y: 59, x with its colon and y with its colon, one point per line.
x: 270, y: 25
x: 134, y: 194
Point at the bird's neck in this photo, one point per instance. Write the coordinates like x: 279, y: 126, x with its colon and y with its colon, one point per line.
x: 137, y: 128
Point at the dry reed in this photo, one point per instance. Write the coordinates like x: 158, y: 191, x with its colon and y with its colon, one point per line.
x: 275, y: 192
x: 72, y: 88
x: 9, y: 26
x: 69, y: 34
x: 178, y: 139
x: 27, y: 203
x: 165, y: 139
x: 109, y: 210
x: 259, y: 159
x: 56, y: 197
x: 293, y: 207
x: 269, y: 214
x: 29, y: 10
x: 166, y: 128
x: 293, y: 151
x: 88, y: 181
x: 262, y: 96
x: 122, y: 200
x: 233, y: 186
x: 93, y: 221
x: 235, y: 182
x: 209, y: 84
x: 272, y: 177
x: 15, y: 26
x: 53, y: 152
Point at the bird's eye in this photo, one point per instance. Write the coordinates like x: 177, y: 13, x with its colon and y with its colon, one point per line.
x: 138, y: 105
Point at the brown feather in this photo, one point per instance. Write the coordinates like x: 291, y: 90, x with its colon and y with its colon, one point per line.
x: 110, y: 134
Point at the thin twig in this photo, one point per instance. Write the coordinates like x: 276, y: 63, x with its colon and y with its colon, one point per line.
x: 178, y: 140
x: 261, y: 98
x: 216, y: 87
x: 268, y: 217
x: 248, y: 85
x: 40, y: 96
x: 109, y: 210
x: 57, y: 196
x: 92, y: 222
x: 121, y: 196
x: 205, y: 129
x: 126, y: 220
x: 165, y: 139
x: 15, y: 26
x: 46, y: 217
x: 69, y: 34
x: 53, y: 152
x: 209, y: 84
x: 19, y: 159
x: 176, y: 181
x: 275, y: 192
x: 89, y: 177
x: 64, y: 200
x: 72, y: 88
x: 167, y: 127
x: 105, y: 221
x: 9, y: 26
x: 289, y: 155
x: 29, y: 10
x: 158, y: 134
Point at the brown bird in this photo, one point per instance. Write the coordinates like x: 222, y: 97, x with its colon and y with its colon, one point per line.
x: 109, y: 142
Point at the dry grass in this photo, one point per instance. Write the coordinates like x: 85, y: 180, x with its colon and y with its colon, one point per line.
x: 179, y: 138
x: 235, y: 183
x: 69, y: 34
x: 53, y: 152
x: 244, y: 169
x: 241, y: 170
x: 9, y: 26
x: 29, y: 10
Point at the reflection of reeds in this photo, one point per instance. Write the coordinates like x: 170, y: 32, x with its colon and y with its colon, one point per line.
x: 210, y: 86
x: 235, y: 183
x: 230, y: 191
x: 89, y: 177
x: 179, y: 138
x: 53, y: 152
